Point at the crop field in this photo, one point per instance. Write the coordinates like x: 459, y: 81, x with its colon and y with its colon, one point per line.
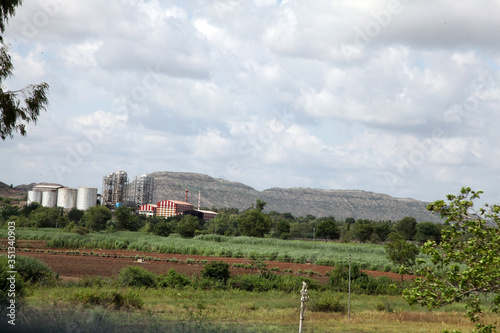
x: 368, y: 256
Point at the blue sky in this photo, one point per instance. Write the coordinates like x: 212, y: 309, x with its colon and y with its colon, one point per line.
x: 396, y: 97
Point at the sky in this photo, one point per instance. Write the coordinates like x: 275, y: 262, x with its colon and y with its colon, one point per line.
x: 394, y: 97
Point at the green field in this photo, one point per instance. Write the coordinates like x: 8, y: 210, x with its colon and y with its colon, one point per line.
x: 368, y: 256
x: 188, y: 310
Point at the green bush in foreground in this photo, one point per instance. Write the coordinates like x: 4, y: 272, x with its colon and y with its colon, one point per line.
x: 5, y: 285
x: 326, y: 302
x: 173, y: 279
x: 132, y: 276
x: 108, y: 298
x: 33, y: 270
x: 217, y: 270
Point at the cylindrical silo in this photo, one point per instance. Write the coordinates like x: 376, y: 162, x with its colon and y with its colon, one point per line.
x: 66, y: 197
x: 87, y: 197
x: 49, y: 198
x: 34, y: 196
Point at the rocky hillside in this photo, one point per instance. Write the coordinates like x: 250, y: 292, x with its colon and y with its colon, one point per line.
x: 11, y: 192
x: 298, y: 201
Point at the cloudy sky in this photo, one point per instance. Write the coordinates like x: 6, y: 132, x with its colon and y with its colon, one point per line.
x: 396, y: 97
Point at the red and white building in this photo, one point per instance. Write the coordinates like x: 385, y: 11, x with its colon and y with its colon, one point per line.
x: 148, y: 210
x: 167, y: 208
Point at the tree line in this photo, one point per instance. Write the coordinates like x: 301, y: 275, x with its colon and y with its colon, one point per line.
x: 252, y: 222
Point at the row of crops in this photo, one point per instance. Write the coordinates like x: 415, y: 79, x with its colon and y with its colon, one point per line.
x: 369, y: 256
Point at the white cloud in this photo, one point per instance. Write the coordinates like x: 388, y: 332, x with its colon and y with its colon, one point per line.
x: 271, y: 93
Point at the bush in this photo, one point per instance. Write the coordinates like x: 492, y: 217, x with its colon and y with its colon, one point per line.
x: 106, y: 298
x: 33, y: 270
x: 384, y: 305
x: 268, y: 281
x: 327, y: 302
x: 217, y: 270
x: 137, y: 277
x: 5, y: 285
x: 162, y: 229
x: 173, y: 279
x: 360, y: 281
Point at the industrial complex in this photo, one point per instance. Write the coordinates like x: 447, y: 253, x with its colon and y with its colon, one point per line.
x: 116, y: 191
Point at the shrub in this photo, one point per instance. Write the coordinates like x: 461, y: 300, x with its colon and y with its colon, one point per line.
x: 33, y: 270
x: 360, y: 281
x: 5, y: 284
x: 217, y: 270
x: 384, y: 305
x: 173, y: 279
x: 137, y: 277
x: 327, y: 302
x: 162, y: 229
x: 106, y: 298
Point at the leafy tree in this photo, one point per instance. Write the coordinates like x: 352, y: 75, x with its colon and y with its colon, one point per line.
x: 75, y: 214
x: 401, y: 252
x: 162, y: 228
x: 8, y: 211
x: 381, y: 231
x: 97, y: 217
x: 283, y: 227
x: 254, y: 223
x: 327, y: 229
x: 407, y: 227
x: 223, y: 224
x: 465, y: 265
x: 362, y: 230
x: 18, y: 107
x: 350, y: 220
x: 188, y: 226
x: 26, y: 210
x: 260, y: 204
x: 126, y: 220
x: 428, y: 231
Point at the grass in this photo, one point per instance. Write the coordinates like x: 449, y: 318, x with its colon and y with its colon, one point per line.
x: 368, y: 256
x: 241, y: 311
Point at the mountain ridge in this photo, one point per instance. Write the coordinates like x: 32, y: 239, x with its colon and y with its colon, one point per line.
x: 300, y: 201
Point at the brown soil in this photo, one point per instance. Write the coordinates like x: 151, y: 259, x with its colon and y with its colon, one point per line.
x: 71, y: 267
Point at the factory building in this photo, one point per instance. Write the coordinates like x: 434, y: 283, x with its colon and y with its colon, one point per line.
x: 114, y: 188
x: 167, y: 208
x: 55, y: 195
x: 44, y: 194
x: 148, y: 210
x: 205, y: 215
x: 141, y: 190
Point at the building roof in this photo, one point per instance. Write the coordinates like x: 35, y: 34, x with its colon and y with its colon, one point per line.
x: 177, y: 202
x: 206, y: 211
x: 47, y: 187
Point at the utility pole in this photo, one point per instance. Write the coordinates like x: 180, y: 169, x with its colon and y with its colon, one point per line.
x: 349, y: 297
x: 303, y: 300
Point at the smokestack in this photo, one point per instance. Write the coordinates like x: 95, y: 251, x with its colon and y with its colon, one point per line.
x: 199, y: 199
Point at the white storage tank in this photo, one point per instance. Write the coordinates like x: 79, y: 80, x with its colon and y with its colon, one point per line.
x: 66, y: 197
x: 34, y: 196
x: 86, y: 198
x: 49, y: 198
